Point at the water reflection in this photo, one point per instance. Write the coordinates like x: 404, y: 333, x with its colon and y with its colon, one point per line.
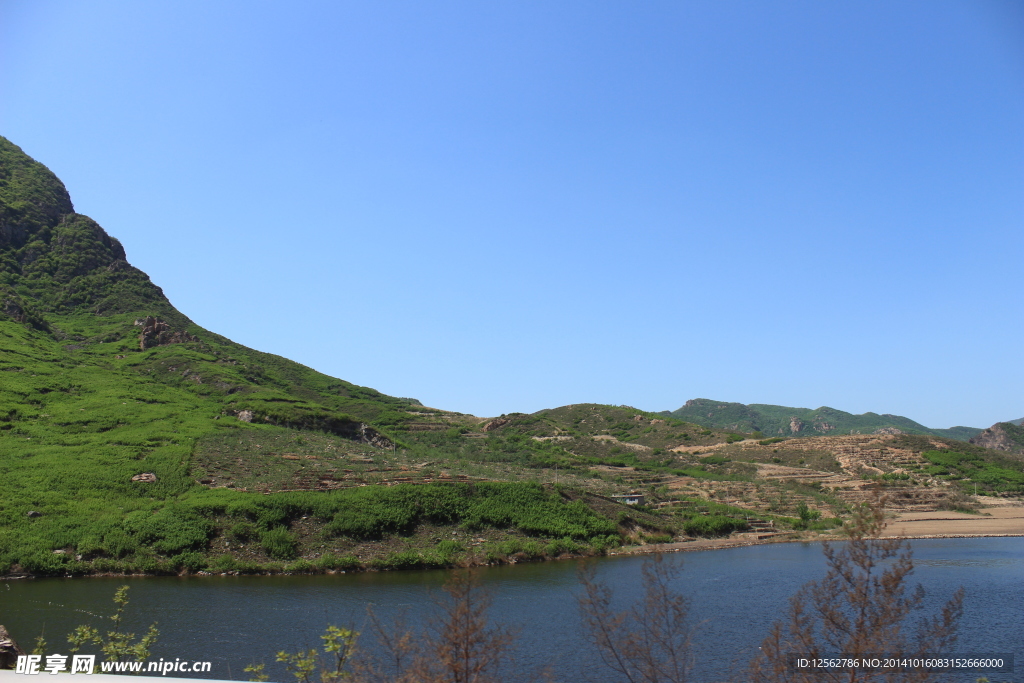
x: 735, y: 595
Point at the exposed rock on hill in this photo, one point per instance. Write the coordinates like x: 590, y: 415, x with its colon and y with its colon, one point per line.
x: 156, y: 332
x: 496, y: 423
x: 1002, y: 436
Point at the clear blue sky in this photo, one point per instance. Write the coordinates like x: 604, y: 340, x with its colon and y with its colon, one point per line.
x: 509, y: 206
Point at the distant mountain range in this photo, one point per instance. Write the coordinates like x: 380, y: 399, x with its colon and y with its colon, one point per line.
x: 773, y: 420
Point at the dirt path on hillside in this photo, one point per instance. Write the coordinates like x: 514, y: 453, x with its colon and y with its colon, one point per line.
x: 712, y: 447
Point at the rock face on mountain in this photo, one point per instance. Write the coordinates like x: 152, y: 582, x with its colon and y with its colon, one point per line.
x: 783, y: 420
x: 1002, y: 436
x: 156, y: 332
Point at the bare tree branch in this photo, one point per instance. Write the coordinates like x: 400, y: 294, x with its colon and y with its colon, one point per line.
x: 861, y: 607
x: 650, y: 643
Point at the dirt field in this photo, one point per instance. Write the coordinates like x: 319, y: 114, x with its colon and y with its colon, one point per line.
x: 993, y: 520
x: 1001, y: 518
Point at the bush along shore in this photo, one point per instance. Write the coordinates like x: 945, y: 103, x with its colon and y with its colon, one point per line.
x: 405, y: 526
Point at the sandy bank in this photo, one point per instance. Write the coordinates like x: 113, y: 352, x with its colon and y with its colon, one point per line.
x: 1001, y: 519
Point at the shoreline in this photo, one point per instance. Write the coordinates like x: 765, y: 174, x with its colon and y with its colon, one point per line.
x: 722, y: 544
x: 697, y: 545
x: 995, y: 521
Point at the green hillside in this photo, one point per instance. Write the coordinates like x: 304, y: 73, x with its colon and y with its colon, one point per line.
x: 774, y: 420
x: 1015, y: 433
x: 132, y: 439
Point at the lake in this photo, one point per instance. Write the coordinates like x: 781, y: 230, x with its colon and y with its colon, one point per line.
x: 736, y: 594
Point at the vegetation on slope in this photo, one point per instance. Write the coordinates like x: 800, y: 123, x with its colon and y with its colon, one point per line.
x: 132, y: 440
x: 772, y: 420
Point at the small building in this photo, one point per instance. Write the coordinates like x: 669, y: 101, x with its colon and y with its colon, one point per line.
x: 629, y: 498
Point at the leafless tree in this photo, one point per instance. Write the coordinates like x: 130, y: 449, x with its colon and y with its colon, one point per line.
x: 861, y: 608
x: 458, y: 647
x: 651, y: 642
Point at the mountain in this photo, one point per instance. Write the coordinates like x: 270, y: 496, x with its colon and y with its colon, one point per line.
x: 132, y: 439
x: 82, y: 304
x: 774, y: 420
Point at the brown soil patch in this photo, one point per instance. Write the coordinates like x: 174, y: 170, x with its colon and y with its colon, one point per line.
x: 996, y: 520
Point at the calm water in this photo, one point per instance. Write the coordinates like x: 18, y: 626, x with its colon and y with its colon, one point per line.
x: 736, y: 594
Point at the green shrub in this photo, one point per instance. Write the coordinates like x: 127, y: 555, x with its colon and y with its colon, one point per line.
x: 659, y: 538
x: 448, y: 548
x: 191, y: 561
x: 806, y: 517
x: 244, y: 531
x: 406, y: 559
x: 806, y: 514
x: 560, y: 546
x: 302, y: 566
x: 279, y: 543
x: 330, y: 561
x: 223, y: 563
x: 713, y: 525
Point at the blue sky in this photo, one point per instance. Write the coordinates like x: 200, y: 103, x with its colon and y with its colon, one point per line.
x: 498, y: 207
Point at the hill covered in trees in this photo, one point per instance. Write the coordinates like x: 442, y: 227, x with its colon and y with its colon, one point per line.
x: 772, y: 420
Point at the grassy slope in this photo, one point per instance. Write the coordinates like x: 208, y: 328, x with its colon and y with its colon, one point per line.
x: 1015, y: 433
x: 83, y: 409
x: 776, y: 420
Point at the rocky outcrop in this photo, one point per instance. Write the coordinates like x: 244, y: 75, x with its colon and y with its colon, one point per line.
x: 1002, y: 436
x: 795, y: 425
x: 338, y: 425
x: 495, y: 424
x: 371, y: 436
x: 156, y: 332
x: 888, y: 430
x: 145, y: 478
x: 9, y: 650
